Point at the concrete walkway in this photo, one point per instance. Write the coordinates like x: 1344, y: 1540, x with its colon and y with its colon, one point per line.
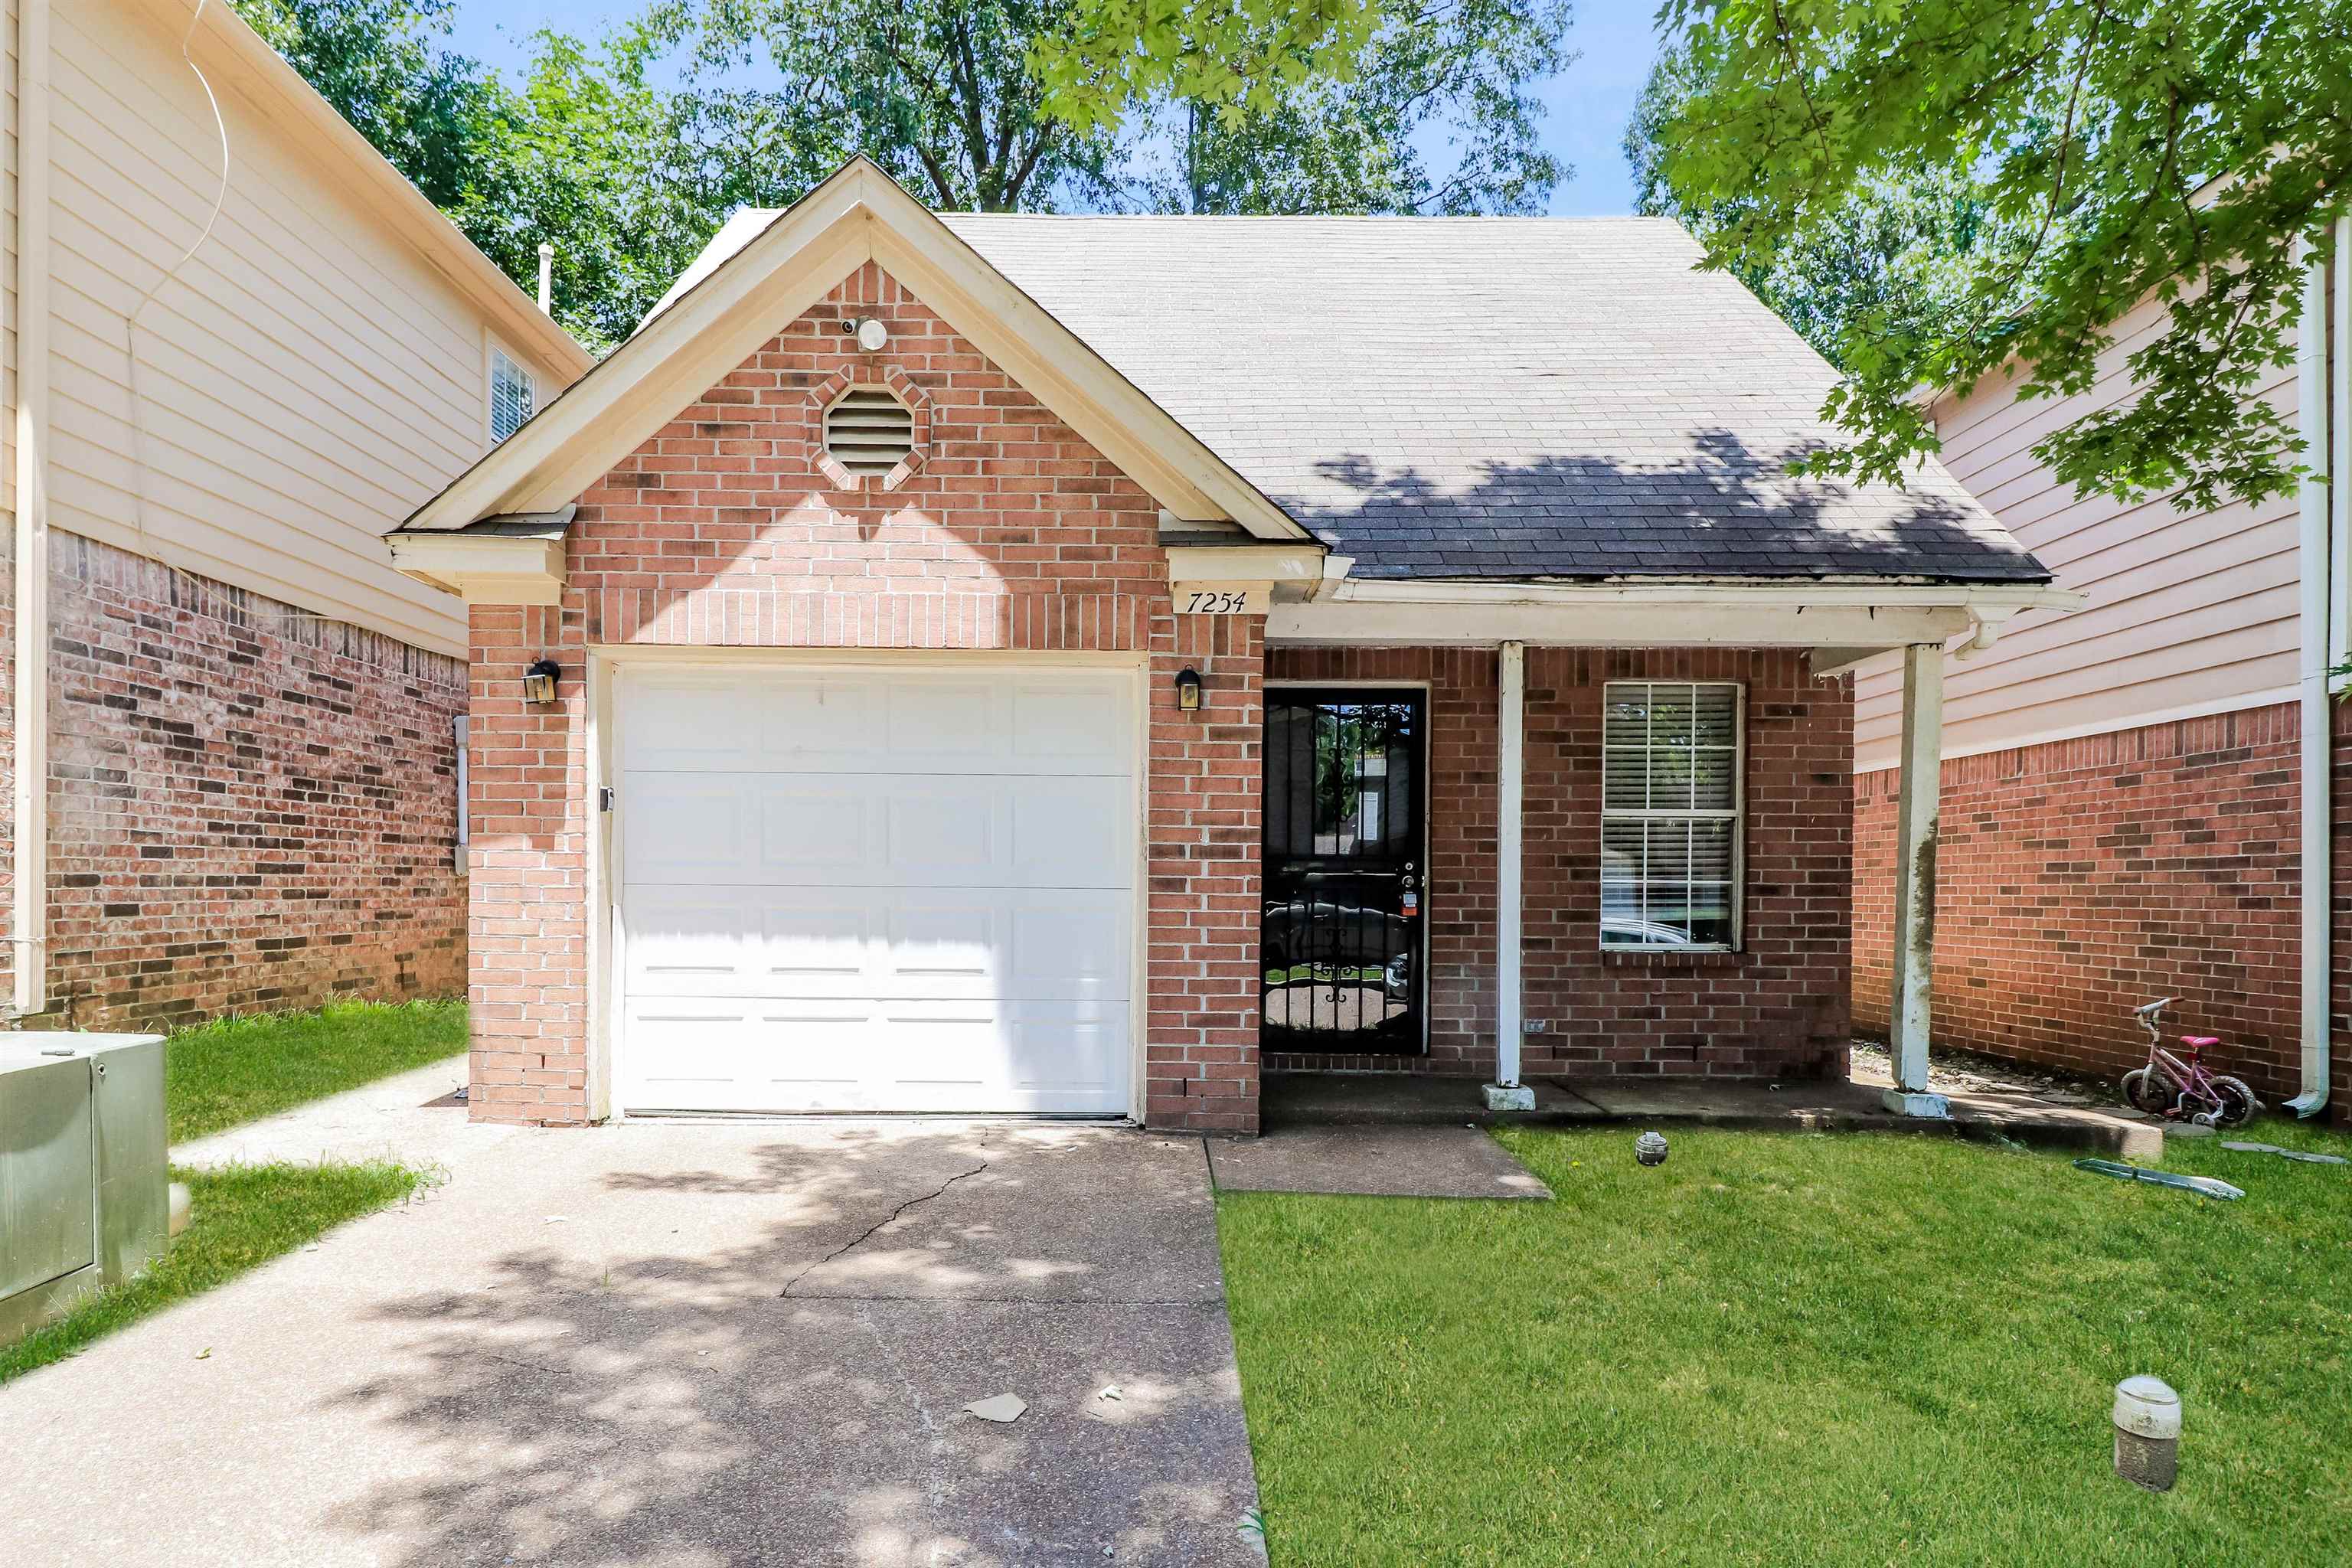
x: 677, y: 1345
x: 410, y: 1117
x: 1323, y: 1099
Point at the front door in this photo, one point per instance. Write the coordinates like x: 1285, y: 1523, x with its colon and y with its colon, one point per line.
x: 1346, y: 872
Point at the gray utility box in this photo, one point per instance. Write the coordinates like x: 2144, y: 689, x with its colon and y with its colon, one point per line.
x: 85, y: 1196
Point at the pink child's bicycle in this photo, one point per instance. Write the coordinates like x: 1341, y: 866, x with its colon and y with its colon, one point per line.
x: 2179, y: 1087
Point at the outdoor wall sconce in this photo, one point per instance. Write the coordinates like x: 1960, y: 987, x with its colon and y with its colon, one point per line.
x: 1188, y: 690
x: 539, y: 681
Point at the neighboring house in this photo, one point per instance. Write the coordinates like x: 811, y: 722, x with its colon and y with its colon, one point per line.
x: 2123, y: 787
x: 1072, y: 665
x: 231, y: 749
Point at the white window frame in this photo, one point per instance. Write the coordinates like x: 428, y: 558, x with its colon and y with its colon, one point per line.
x: 493, y: 353
x: 1736, y: 815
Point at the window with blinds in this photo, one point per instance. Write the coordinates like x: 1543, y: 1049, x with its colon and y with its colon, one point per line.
x: 1670, y: 814
x: 512, y: 395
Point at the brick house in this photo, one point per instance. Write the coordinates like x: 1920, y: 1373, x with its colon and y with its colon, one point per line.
x: 1073, y: 665
x: 230, y: 727
x: 2137, y: 795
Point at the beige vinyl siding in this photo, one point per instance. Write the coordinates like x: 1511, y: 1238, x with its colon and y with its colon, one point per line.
x: 303, y: 382
x: 2188, y: 612
x: 8, y: 269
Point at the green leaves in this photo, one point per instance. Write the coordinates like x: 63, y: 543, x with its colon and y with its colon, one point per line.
x: 1945, y: 190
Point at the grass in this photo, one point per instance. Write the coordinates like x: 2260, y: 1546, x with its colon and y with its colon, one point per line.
x: 1776, y: 1348
x: 244, y: 1215
x: 221, y: 1074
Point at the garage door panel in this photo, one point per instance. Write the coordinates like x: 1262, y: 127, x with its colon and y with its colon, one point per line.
x: 1023, y: 1057
x: 1071, y: 833
x: 861, y: 891
x: 861, y: 721
x: 1083, y: 726
x: 877, y: 942
x: 684, y: 826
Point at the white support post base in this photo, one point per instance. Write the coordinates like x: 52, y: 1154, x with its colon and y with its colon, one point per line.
x: 1915, y: 882
x: 1510, y: 1097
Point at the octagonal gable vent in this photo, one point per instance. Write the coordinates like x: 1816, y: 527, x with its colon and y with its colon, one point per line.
x: 870, y: 432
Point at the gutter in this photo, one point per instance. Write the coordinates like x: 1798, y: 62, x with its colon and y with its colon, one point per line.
x: 29, y: 708
x: 2317, y: 769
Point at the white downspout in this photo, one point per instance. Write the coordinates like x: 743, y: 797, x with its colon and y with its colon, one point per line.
x: 2317, y: 769
x: 29, y: 713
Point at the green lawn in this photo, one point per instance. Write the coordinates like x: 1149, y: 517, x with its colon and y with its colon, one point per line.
x: 244, y: 1215
x: 222, y: 1074
x: 240, y: 1068
x: 1785, y: 1349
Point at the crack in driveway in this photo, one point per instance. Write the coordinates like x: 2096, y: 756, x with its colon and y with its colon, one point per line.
x: 871, y: 1230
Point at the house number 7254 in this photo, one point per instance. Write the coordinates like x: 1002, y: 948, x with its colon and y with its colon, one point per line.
x: 1217, y: 602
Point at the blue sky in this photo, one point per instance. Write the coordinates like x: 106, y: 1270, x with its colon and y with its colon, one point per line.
x: 1588, y: 103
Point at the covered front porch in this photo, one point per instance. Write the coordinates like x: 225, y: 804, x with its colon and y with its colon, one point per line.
x: 1519, y: 833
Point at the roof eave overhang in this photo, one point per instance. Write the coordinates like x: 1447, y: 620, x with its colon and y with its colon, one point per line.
x: 858, y: 214
x: 1841, y: 621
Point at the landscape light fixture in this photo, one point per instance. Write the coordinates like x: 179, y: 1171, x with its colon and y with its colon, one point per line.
x: 1188, y: 690
x: 539, y: 681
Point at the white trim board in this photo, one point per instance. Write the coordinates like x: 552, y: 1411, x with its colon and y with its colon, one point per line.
x: 2270, y: 698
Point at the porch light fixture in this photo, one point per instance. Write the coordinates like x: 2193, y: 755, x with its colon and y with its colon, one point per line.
x: 539, y: 681
x: 1188, y: 690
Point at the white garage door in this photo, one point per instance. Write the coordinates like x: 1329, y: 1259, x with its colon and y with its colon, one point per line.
x: 861, y: 890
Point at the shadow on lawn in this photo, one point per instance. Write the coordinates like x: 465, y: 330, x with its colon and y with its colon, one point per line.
x: 679, y: 1408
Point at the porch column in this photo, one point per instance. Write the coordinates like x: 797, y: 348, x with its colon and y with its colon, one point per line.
x: 1506, y: 1093
x: 1914, y: 881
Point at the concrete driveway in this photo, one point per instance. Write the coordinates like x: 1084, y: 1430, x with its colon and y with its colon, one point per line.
x: 683, y: 1345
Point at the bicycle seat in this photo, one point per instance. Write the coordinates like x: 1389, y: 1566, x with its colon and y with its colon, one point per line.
x: 2199, y: 1042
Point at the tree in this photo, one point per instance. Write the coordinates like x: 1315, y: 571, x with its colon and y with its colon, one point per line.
x: 2096, y: 153
x: 1890, y: 263
x: 381, y: 63
x: 942, y: 93
x: 626, y: 177
x: 627, y: 153
x: 1357, y: 141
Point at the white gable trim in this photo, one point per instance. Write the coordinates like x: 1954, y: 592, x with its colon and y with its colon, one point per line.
x: 859, y: 214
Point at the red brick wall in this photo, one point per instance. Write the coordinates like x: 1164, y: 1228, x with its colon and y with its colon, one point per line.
x: 249, y: 808
x: 1775, y: 1009
x: 2079, y: 878
x: 722, y: 530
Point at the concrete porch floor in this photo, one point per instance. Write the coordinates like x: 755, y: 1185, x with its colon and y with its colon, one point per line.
x: 1295, y: 1100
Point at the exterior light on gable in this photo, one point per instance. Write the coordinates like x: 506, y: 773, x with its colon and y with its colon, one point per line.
x: 870, y: 334
x: 1188, y: 690
x: 539, y: 681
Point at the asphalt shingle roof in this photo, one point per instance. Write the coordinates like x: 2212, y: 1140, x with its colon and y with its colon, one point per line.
x: 1491, y: 397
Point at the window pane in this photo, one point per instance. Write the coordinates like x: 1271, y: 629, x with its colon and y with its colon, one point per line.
x: 1715, y: 716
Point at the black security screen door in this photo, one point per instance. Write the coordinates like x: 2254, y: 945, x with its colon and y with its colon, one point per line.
x: 1346, y: 877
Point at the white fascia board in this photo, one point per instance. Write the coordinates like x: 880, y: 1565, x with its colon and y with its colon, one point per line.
x: 713, y: 328
x: 1625, y: 622
x: 859, y: 214
x: 1054, y: 364
x: 1245, y: 563
x: 2009, y: 597
x: 484, y: 568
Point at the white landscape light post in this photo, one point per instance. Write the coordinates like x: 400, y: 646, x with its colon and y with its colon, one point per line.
x: 1506, y: 1093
